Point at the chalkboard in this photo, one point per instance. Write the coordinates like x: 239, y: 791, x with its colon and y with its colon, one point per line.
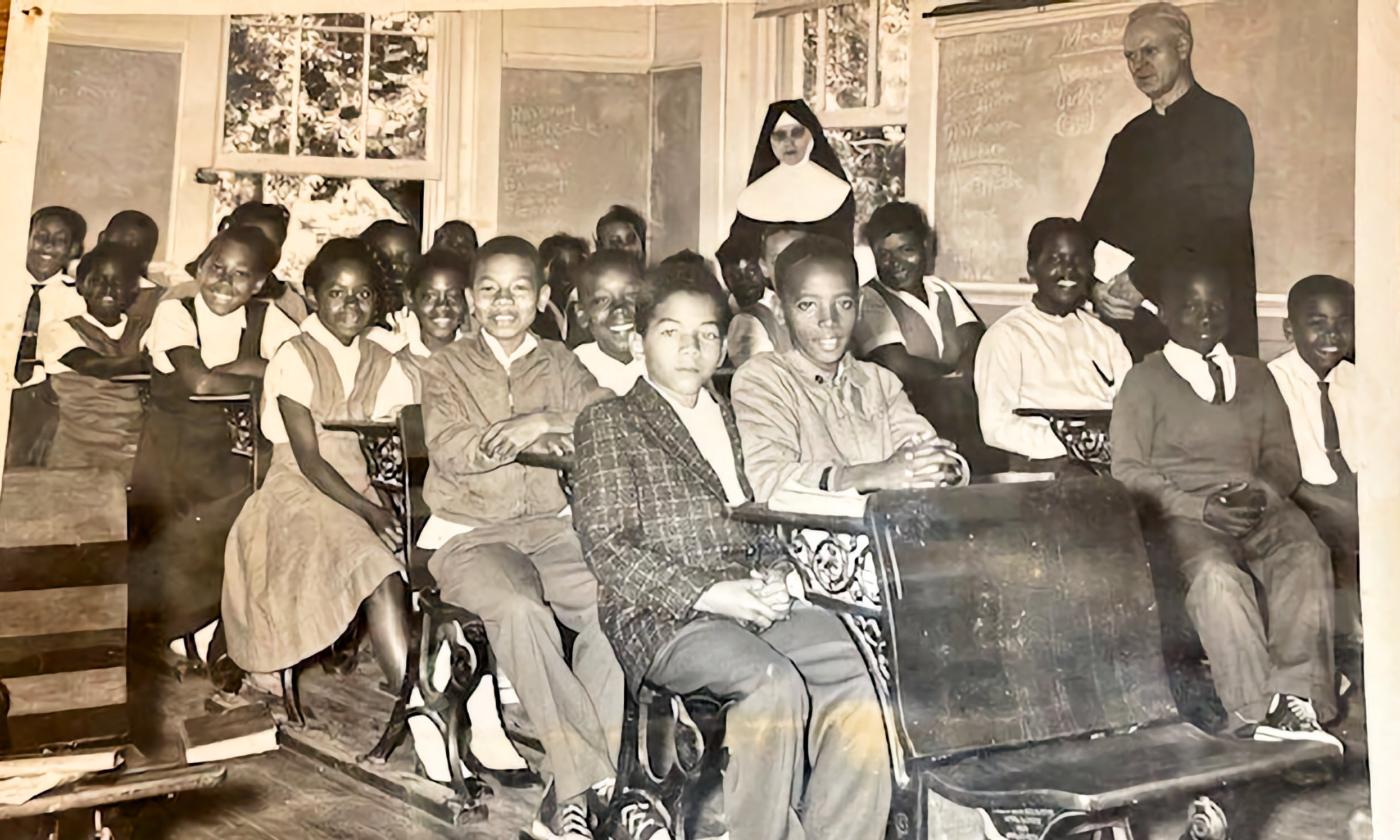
x: 572, y: 143
x: 675, y: 161
x: 107, y: 132
x: 1025, y: 116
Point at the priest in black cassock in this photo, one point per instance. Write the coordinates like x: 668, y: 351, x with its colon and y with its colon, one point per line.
x: 1176, y: 185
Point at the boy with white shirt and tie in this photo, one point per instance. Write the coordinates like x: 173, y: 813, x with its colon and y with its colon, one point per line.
x: 55, y: 239
x: 1204, y: 439
x: 1320, y: 387
x: 1050, y: 353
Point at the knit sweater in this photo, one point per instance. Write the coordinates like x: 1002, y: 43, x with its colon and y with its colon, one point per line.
x: 1172, y: 448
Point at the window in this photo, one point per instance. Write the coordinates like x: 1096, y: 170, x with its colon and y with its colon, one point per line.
x: 850, y: 62
x: 340, y: 95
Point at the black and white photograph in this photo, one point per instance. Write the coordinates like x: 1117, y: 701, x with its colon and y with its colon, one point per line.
x: 699, y: 419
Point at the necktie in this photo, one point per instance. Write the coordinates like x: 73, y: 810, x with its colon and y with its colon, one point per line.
x: 943, y: 307
x: 1218, y: 377
x: 1331, y: 436
x: 26, y: 361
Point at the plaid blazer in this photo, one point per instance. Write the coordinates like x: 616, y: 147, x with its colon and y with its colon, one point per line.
x: 650, y: 512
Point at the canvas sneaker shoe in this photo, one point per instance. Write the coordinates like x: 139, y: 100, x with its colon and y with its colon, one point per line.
x: 557, y: 820
x: 1291, y: 718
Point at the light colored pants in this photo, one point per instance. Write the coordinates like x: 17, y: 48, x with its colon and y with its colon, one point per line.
x: 802, y: 697
x: 518, y: 577
x: 1249, y: 664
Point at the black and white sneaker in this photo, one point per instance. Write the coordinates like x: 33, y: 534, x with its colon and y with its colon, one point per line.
x: 1292, y: 718
x: 638, y: 816
x: 561, y: 820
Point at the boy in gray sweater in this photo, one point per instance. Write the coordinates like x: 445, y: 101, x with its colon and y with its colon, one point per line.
x: 1204, y: 438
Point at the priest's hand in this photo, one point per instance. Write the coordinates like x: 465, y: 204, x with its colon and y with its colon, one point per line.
x: 1117, y: 299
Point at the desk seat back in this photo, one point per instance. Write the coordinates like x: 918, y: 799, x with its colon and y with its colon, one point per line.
x: 1016, y: 614
x: 415, y: 470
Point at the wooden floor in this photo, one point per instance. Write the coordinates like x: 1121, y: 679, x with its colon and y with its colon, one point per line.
x: 283, y: 796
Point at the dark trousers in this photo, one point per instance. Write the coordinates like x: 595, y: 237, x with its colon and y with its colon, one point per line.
x: 1248, y: 662
x: 802, y: 697
x: 1332, y: 509
x: 33, y: 421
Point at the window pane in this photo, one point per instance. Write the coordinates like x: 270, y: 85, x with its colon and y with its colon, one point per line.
x: 343, y: 20
x: 398, y: 97
x: 893, y: 63
x: 809, y: 57
x: 258, y: 105
x: 417, y: 23
x: 847, y: 55
x: 264, y: 20
x: 874, y: 161
x: 329, y: 120
x: 321, y: 208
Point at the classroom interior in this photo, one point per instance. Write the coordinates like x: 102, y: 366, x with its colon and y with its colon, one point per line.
x: 532, y: 118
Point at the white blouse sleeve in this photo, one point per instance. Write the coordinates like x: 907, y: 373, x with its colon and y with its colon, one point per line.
x: 286, y: 376
x: 394, y: 393
x: 277, y: 328
x: 56, y: 340
x: 171, y: 327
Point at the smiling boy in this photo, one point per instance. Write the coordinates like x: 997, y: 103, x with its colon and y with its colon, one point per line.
x: 1203, y: 438
x: 814, y: 415
x: 1049, y: 353
x: 1322, y: 391
x: 502, y: 548
x: 607, y: 306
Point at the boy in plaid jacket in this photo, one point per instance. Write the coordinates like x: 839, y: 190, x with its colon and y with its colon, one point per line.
x: 695, y: 601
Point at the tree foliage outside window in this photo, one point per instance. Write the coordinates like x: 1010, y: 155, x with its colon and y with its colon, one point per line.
x: 329, y: 86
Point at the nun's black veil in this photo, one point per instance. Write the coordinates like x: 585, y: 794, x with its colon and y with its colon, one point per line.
x: 839, y: 225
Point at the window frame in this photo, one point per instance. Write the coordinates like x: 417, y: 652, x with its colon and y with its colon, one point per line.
x: 789, y: 76
x: 430, y: 168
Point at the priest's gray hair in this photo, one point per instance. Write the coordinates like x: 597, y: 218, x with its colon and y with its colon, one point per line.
x: 1168, y: 14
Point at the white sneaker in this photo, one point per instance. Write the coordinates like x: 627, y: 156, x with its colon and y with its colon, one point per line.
x: 1293, y: 718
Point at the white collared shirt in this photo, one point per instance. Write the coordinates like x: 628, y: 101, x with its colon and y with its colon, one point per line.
x: 58, y: 301
x: 1298, y: 384
x: 58, y: 338
x: 1192, y: 367
x: 216, y: 336
x: 705, y: 423
x: 507, y: 359
x: 287, y: 376
x: 618, y: 377
x: 1031, y: 359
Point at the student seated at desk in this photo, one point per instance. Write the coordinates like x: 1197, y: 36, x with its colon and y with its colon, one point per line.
x: 919, y: 327
x: 272, y: 221
x: 1049, y: 353
x: 1322, y: 391
x: 607, y: 306
x: 314, y: 542
x: 139, y: 232
x: 435, y: 317
x: 695, y: 601
x: 209, y: 337
x: 99, y: 421
x: 758, y: 327
x: 503, y: 549
x: 55, y: 239
x: 1203, y: 438
x: 815, y: 415
x: 622, y: 229
x: 560, y: 258
x: 739, y: 260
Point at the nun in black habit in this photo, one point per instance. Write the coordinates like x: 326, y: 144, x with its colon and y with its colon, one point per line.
x: 795, y: 179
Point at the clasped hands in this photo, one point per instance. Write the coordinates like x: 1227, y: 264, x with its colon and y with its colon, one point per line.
x: 505, y: 439
x: 762, y: 599
x: 925, y: 461
x: 1235, y: 508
